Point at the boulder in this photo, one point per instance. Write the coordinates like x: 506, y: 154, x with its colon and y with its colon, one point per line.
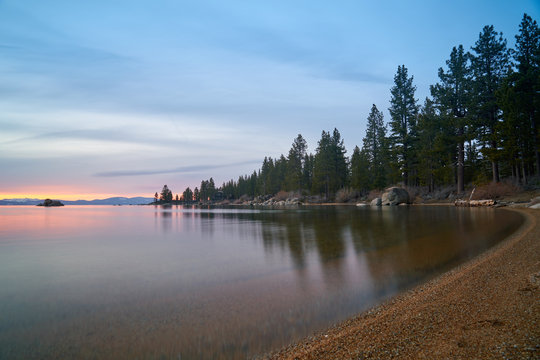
x: 395, y: 196
x: 376, y: 202
x: 535, y: 206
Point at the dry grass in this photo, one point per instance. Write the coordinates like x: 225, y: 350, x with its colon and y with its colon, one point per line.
x: 346, y: 195
x: 495, y: 191
x: 281, y: 196
x: 373, y: 194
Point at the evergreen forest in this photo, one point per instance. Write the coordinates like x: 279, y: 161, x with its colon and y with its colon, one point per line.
x: 479, y: 125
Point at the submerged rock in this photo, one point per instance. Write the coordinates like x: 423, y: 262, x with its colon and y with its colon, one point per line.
x: 49, y: 202
x: 395, y: 196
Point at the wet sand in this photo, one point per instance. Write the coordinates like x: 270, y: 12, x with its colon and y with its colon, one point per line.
x: 488, y: 308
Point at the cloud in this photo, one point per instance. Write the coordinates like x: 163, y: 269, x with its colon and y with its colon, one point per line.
x: 182, y: 169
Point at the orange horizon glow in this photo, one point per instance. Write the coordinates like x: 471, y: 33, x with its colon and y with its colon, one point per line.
x: 65, y: 196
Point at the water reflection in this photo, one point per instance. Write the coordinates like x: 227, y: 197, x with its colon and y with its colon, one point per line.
x: 211, y: 283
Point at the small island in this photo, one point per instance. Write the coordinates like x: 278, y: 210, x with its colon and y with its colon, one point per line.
x: 49, y: 203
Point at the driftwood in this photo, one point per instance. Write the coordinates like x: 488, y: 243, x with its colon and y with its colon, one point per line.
x: 474, y: 203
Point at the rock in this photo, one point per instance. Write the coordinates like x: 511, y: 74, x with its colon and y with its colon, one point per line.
x: 535, y: 206
x: 376, y: 202
x: 395, y: 196
x: 49, y: 202
x: 361, y: 204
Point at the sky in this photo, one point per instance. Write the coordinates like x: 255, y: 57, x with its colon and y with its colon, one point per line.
x: 117, y: 98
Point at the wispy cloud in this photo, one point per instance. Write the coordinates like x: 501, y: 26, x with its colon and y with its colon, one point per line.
x: 181, y: 169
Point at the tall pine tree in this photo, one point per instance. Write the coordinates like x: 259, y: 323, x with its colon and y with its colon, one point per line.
x: 294, y: 178
x: 360, y: 176
x: 403, y: 111
x: 452, y: 95
x: 490, y: 66
x: 374, y: 148
x: 330, y: 164
x: 527, y: 55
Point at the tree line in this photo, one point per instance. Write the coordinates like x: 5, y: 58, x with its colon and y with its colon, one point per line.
x: 480, y: 124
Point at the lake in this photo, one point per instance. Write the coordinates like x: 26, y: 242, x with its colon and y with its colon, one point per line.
x: 152, y: 282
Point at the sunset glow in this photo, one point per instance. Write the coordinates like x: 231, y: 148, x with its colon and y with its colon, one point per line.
x: 64, y: 196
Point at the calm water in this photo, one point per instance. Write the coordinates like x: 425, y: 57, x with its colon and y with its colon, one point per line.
x: 149, y: 282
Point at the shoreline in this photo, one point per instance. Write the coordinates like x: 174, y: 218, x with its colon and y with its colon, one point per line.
x: 485, y: 308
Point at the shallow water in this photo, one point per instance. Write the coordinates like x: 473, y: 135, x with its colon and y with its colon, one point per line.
x: 144, y: 282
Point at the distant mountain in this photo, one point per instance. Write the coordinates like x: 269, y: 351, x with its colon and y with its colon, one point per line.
x: 25, y: 201
x: 109, y: 201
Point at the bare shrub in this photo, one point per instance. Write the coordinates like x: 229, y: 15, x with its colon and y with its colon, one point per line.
x: 373, y: 194
x: 495, y: 190
x: 346, y: 195
x: 418, y: 193
x: 533, y: 183
x: 314, y: 199
x: 443, y: 193
x: 281, y: 196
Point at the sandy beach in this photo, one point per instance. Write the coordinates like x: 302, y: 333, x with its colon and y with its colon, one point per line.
x: 488, y: 308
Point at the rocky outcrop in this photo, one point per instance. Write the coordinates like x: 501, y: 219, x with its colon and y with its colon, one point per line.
x: 49, y: 203
x: 395, y: 196
x: 273, y: 202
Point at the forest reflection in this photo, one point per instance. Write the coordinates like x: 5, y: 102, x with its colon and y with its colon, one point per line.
x: 396, y: 245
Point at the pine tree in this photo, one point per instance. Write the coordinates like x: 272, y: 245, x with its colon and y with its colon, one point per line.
x: 330, y: 164
x: 452, y: 96
x: 265, y: 179
x: 490, y: 65
x: 307, y: 171
x: 436, y: 147
x: 360, y: 176
x: 280, y: 171
x: 294, y: 176
x: 374, y: 148
x: 203, y: 190
x: 527, y: 56
x: 187, y: 195
x: 211, y: 188
x: 166, y: 194
x: 403, y: 111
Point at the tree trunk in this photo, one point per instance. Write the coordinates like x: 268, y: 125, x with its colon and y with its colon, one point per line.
x: 535, y: 142
x: 523, y: 169
x: 405, y: 178
x: 461, y: 163
x: 495, y: 164
x: 495, y: 171
x: 431, y: 180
